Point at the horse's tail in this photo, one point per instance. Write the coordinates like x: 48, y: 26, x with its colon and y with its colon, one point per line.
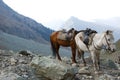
x: 53, y: 49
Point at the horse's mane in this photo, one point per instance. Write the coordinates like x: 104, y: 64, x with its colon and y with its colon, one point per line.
x: 92, y: 31
x: 79, y: 31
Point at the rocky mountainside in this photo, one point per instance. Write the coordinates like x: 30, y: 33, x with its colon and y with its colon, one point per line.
x: 25, y: 65
x: 14, y: 23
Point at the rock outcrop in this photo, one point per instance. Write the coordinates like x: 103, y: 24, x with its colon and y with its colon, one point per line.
x: 52, y: 69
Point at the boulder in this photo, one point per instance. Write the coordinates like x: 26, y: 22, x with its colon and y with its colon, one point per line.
x: 52, y: 69
x: 13, y: 61
x: 9, y: 76
x: 106, y: 77
x: 84, y: 70
x: 109, y: 64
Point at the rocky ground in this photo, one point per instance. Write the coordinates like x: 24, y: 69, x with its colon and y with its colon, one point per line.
x: 24, y: 65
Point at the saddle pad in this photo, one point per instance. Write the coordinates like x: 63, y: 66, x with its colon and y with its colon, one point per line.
x: 64, y: 36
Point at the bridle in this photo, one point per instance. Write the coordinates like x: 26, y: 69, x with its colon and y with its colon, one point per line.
x: 107, y: 44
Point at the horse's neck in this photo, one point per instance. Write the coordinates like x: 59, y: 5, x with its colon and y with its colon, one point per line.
x: 98, y: 39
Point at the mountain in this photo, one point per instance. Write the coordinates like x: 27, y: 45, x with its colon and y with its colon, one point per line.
x: 78, y: 24
x: 18, y: 32
x: 14, y: 23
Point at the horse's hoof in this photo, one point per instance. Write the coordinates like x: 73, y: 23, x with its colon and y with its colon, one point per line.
x: 85, y: 65
x: 96, y: 72
x: 82, y: 65
x: 74, y: 65
x: 52, y: 57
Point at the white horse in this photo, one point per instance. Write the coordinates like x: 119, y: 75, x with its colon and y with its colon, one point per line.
x: 97, y: 43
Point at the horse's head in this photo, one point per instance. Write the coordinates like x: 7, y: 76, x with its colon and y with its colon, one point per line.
x: 109, y: 41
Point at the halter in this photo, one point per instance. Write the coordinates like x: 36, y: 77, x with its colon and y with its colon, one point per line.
x: 107, y: 43
x: 98, y: 47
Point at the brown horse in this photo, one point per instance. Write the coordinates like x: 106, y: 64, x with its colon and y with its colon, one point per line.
x: 56, y: 43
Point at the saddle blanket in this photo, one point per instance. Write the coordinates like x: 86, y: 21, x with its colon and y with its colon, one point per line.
x: 65, y: 36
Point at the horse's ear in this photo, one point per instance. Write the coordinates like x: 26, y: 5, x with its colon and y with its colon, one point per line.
x: 109, y: 32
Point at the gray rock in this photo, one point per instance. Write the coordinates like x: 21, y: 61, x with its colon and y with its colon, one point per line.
x: 106, y: 77
x: 52, y: 69
x: 84, y: 70
x: 13, y: 61
x: 109, y: 64
x: 9, y: 76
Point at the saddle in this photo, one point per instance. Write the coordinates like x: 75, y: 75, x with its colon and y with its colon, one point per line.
x: 87, y: 34
x: 66, y: 35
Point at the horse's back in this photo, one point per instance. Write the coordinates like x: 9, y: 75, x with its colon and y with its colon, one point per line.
x: 54, y: 38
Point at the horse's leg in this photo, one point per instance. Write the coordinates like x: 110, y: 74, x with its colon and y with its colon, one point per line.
x: 53, y: 48
x: 81, y: 55
x: 73, y: 48
x: 83, y: 58
x: 98, y: 60
x: 93, y: 56
x: 57, y: 52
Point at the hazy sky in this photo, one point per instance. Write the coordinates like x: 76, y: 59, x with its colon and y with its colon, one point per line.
x: 48, y: 11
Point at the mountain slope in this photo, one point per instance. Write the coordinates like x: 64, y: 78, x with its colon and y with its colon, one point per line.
x: 118, y: 44
x: 11, y: 42
x: 13, y: 23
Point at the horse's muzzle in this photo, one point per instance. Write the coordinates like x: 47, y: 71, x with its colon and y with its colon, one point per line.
x: 113, y: 50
